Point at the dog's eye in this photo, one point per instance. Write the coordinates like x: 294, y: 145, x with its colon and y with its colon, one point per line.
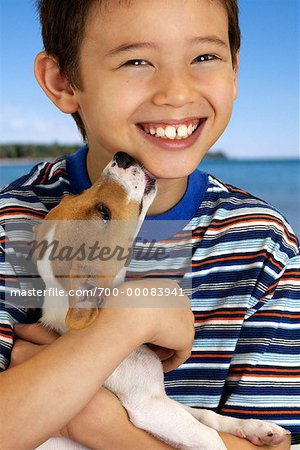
x: 104, y: 213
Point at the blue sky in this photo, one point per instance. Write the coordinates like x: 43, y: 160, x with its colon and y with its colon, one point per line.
x: 265, y: 122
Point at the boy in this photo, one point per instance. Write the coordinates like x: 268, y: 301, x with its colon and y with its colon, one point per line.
x: 158, y: 80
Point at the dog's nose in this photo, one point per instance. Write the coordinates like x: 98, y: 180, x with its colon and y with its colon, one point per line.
x: 123, y: 160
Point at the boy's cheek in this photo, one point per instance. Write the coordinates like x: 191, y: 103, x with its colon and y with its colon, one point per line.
x: 224, y: 92
x: 111, y: 103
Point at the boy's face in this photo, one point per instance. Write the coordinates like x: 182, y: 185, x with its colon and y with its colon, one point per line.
x: 170, y: 79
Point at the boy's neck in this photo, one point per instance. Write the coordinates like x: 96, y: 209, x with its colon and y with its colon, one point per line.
x: 169, y: 192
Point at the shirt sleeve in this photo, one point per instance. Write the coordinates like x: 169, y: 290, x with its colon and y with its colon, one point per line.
x: 13, y: 306
x: 264, y: 377
x: 23, y: 203
x: 9, y: 314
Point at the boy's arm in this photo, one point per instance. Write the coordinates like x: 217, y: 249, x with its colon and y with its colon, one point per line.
x: 103, y: 423
x: 51, y: 378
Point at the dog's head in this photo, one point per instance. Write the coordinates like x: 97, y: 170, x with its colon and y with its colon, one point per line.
x: 110, y: 214
x: 124, y: 191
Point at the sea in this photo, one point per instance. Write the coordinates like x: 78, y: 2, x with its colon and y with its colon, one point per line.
x: 277, y: 182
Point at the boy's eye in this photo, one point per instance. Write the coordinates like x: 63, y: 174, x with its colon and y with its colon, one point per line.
x: 136, y: 62
x: 205, y: 58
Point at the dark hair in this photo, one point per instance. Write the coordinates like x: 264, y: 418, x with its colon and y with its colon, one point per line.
x: 63, y: 25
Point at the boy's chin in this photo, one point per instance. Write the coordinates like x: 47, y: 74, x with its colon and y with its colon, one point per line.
x: 172, y: 172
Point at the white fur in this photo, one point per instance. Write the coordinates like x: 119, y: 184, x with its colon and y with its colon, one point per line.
x: 132, y: 179
x: 55, y: 308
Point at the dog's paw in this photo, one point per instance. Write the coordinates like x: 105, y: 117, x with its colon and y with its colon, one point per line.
x: 261, y: 433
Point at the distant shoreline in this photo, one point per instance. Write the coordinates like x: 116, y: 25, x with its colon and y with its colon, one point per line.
x: 26, y: 160
x: 34, y: 152
x: 17, y: 153
x: 6, y: 161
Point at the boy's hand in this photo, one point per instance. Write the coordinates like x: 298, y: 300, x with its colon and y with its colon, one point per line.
x: 30, y: 340
x: 165, y: 321
x: 104, y: 424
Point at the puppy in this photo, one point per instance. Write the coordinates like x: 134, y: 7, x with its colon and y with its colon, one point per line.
x: 124, y: 193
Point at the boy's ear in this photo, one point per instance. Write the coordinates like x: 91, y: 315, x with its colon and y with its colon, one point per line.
x: 54, y: 83
x: 235, y: 76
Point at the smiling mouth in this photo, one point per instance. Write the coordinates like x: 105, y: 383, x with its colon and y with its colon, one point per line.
x: 166, y: 131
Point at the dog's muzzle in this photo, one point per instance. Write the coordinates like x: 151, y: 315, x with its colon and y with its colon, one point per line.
x: 123, y: 160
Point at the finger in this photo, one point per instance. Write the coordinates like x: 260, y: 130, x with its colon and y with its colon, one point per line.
x: 164, y: 354
x: 35, y: 333
x: 175, y: 360
x: 22, y: 351
x: 161, y: 352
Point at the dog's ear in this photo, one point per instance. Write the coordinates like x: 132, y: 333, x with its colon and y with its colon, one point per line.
x: 80, y: 317
x: 83, y: 304
x: 84, y: 299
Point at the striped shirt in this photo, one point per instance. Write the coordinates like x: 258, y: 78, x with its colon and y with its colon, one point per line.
x: 241, y: 271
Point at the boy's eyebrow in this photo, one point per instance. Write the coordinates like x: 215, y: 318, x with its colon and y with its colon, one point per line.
x: 208, y: 40
x: 134, y: 46
x: 152, y: 46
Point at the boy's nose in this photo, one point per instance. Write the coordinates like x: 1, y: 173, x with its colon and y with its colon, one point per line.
x: 176, y: 90
x: 123, y: 160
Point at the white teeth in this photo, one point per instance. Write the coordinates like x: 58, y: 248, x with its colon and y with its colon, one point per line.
x: 182, y: 131
x: 160, y: 132
x: 171, y: 132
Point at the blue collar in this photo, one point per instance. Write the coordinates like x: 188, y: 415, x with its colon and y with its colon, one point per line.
x: 184, y: 210
x: 77, y: 170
